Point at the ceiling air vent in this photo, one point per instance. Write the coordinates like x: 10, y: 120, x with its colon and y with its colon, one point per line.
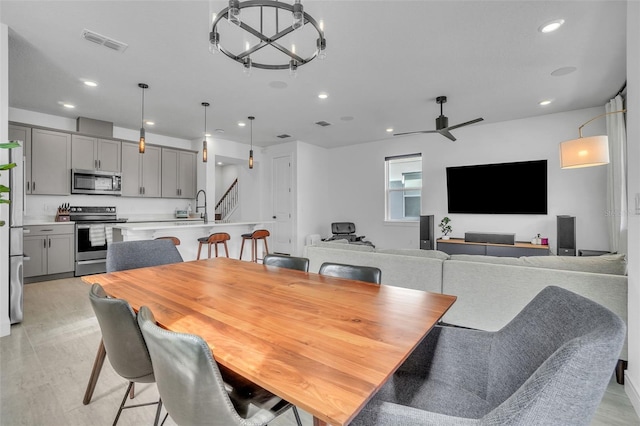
x: 284, y: 136
x: 104, y: 41
x: 323, y: 123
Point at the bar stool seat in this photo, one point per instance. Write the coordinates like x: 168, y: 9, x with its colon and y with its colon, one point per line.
x: 214, y: 239
x: 258, y: 234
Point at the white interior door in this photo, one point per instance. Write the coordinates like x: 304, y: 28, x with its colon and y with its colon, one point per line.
x: 282, y: 206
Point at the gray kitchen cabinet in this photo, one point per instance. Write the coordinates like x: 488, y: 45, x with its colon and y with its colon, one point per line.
x: 48, y: 250
x: 141, y: 172
x: 95, y: 154
x: 22, y: 134
x: 50, y: 163
x: 178, y: 173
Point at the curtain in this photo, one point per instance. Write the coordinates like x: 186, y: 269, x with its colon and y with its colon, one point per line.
x: 617, y: 177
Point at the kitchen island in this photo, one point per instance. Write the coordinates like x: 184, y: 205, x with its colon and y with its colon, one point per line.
x: 188, y: 232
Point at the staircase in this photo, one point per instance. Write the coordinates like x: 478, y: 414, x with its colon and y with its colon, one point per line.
x: 227, y: 203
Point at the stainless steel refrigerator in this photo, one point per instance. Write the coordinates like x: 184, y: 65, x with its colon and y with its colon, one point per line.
x: 16, y: 251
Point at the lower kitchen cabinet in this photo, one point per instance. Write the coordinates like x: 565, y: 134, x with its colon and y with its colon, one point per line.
x: 48, y: 250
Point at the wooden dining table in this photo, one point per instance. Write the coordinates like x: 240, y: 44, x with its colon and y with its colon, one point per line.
x: 324, y: 344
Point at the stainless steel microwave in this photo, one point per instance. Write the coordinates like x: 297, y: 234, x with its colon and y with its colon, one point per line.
x: 96, y: 182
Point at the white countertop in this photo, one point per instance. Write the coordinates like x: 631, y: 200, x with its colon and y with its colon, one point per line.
x: 145, y: 226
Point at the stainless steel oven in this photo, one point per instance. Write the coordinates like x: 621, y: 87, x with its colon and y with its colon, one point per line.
x: 93, y: 226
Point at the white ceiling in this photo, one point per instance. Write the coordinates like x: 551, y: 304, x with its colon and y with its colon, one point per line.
x: 386, y: 63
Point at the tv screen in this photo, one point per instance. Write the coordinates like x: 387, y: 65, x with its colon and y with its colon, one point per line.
x: 504, y: 188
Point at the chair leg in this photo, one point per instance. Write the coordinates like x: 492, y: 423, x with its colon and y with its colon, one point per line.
x: 226, y: 249
x: 199, y: 249
x: 122, y: 404
x: 155, y: 423
x: 216, y: 249
x: 620, y: 367
x: 132, y: 392
x: 295, y: 413
x: 242, y: 248
x: 95, y: 373
x: 266, y: 247
x: 209, y: 257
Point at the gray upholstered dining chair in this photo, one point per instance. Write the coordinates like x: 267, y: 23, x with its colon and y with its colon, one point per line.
x: 123, y: 341
x: 284, y: 261
x: 549, y: 366
x: 123, y: 255
x: 192, y: 386
x: 352, y: 272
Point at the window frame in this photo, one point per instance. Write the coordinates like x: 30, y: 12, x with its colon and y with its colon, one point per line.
x: 389, y: 190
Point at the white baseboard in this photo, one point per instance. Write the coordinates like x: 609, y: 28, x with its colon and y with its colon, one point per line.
x: 632, y: 392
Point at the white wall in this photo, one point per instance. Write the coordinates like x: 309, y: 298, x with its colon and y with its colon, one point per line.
x: 5, y: 324
x: 632, y: 379
x: 356, y: 180
x: 313, y: 200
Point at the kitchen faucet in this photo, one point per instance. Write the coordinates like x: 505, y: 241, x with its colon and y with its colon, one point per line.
x: 203, y: 215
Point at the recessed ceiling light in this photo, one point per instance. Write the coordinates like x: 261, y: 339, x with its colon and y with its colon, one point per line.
x: 545, y: 102
x: 90, y: 83
x: 207, y: 135
x: 563, y: 71
x: 323, y: 96
x: 389, y: 130
x: 70, y: 106
x: 551, y: 26
x: 150, y: 123
x: 241, y: 123
x: 219, y: 163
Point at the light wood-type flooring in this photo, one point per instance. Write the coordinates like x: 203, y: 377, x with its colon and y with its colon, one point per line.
x: 47, y: 359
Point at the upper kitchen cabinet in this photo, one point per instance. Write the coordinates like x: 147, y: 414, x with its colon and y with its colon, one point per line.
x: 178, y: 173
x: 95, y: 154
x: 141, y: 172
x: 50, y: 163
x: 22, y: 134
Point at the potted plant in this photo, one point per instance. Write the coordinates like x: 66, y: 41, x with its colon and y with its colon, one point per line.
x: 445, y: 227
x: 4, y: 188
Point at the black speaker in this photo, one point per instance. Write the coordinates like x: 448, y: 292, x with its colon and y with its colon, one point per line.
x: 426, y: 233
x: 566, y: 235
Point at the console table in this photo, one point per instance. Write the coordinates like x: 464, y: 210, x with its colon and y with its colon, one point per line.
x: 460, y: 246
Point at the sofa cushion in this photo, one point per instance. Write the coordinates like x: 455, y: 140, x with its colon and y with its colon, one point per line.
x: 344, y: 245
x: 611, y: 264
x: 431, y: 254
x: 488, y: 259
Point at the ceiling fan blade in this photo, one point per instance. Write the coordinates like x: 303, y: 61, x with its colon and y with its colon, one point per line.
x: 445, y: 133
x: 413, y: 133
x: 465, y: 124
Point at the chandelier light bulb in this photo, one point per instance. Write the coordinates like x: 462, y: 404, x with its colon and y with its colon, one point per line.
x: 321, y: 44
x: 247, y: 67
x: 234, y: 12
x: 214, y: 42
x: 293, y: 68
x: 298, y: 15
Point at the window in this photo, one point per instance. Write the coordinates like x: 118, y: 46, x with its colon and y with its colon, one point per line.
x: 403, y: 187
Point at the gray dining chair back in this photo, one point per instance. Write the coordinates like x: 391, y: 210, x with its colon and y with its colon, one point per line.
x: 123, y: 255
x: 549, y: 366
x: 123, y: 341
x: 284, y: 261
x: 192, y: 387
x: 352, y: 272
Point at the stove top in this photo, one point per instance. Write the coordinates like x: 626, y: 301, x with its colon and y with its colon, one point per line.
x: 106, y: 214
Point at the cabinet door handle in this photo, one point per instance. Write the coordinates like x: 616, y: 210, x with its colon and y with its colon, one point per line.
x: 28, y: 185
x: 33, y: 186
x: 95, y: 164
x: 44, y: 243
x: 49, y: 242
x: 99, y: 164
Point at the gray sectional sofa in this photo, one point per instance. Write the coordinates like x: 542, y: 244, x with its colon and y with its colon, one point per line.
x: 490, y: 290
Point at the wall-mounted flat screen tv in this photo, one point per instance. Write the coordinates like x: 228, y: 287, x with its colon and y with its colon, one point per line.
x: 504, y: 188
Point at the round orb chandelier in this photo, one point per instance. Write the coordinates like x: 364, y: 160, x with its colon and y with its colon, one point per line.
x: 264, y: 35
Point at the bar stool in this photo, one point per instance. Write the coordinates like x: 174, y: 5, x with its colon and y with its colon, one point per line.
x: 214, y: 239
x: 259, y: 234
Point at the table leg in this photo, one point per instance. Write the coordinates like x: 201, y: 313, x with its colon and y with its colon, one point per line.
x: 318, y: 422
x: 95, y: 373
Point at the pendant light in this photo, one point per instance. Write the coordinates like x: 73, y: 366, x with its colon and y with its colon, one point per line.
x: 251, y: 118
x: 204, y: 141
x: 142, y: 140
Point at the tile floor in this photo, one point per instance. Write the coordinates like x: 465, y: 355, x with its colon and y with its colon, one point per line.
x: 47, y: 359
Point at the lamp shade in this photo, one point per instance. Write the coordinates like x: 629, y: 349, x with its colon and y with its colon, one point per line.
x: 584, y: 152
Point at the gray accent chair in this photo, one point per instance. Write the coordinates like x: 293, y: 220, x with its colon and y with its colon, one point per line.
x: 191, y: 384
x: 549, y: 366
x: 352, y: 272
x: 123, y: 255
x: 123, y: 341
x: 284, y: 261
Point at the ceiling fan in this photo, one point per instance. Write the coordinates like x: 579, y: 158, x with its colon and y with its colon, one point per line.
x: 442, y: 123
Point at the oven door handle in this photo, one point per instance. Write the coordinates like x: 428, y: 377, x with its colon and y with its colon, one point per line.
x: 85, y: 226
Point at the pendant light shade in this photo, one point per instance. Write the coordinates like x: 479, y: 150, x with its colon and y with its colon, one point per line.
x: 251, y: 150
x: 141, y: 144
x: 204, y: 140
